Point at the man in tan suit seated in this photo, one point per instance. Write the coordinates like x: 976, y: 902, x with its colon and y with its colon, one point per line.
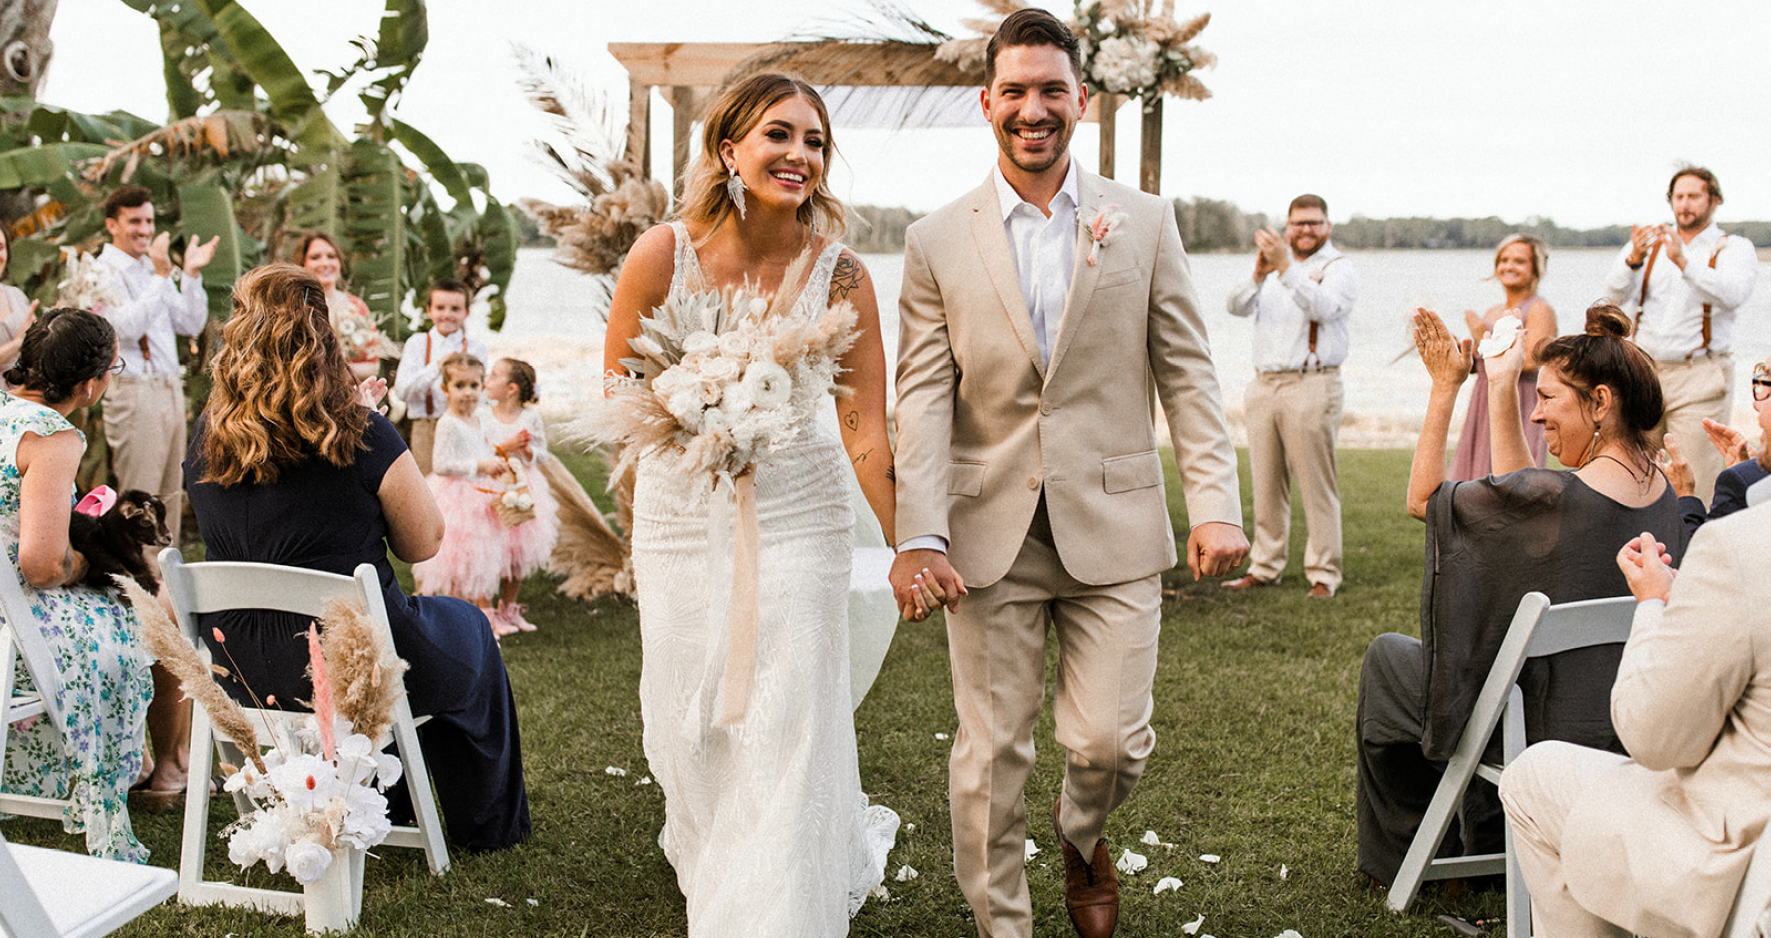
x: 1032, y: 353
x: 1657, y: 844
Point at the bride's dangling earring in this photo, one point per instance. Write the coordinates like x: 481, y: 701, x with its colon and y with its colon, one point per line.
x: 735, y: 190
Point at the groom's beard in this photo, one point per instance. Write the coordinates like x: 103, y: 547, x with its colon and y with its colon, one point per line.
x: 1008, y: 140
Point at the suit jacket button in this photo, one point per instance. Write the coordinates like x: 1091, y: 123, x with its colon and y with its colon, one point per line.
x: 1033, y: 483
x: 1045, y: 407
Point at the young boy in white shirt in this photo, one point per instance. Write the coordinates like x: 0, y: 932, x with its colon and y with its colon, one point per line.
x: 419, y: 381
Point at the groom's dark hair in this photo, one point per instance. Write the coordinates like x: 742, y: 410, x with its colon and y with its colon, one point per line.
x: 1031, y: 27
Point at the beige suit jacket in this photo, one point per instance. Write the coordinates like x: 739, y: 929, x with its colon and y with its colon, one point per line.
x: 1660, y: 845
x: 983, y: 427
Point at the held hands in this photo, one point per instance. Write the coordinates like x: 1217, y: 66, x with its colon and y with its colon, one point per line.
x: 1215, y: 548
x: 1448, y: 361
x: 1647, y: 567
x: 518, y: 445
x: 492, y: 467
x: 197, y: 255
x: 922, y: 580
x: 1274, y: 256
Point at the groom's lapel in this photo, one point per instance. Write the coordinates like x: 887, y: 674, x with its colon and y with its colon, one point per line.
x: 999, y: 264
x: 1091, y: 199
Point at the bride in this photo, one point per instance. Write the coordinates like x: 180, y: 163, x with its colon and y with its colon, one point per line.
x: 764, y: 820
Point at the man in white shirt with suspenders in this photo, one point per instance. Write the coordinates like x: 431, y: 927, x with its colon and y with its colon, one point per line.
x: 1685, y: 284
x: 1301, y: 298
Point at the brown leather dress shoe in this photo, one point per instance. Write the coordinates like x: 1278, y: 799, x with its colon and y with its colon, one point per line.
x: 1247, y: 581
x: 1091, y: 888
x: 1320, y: 591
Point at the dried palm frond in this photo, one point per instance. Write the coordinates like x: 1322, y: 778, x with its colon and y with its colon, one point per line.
x: 220, y: 134
x: 592, y: 558
x: 176, y: 654
x: 365, y: 671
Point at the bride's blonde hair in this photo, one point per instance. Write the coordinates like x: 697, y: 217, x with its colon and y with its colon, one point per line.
x: 734, y: 114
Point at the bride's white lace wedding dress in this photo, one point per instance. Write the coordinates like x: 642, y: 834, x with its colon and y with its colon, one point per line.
x: 765, y: 821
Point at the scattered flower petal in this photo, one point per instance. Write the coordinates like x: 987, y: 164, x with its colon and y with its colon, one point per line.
x: 1288, y: 933
x: 534, y: 902
x: 615, y: 770
x: 1151, y: 838
x: 881, y: 893
x: 1210, y: 857
x: 1167, y: 883
x: 1192, y: 928
x: 906, y: 873
x: 941, y: 736
x: 909, y: 827
x: 1032, y: 849
x: 1284, y: 871
x: 644, y: 781
x: 499, y: 903
x: 1131, y: 863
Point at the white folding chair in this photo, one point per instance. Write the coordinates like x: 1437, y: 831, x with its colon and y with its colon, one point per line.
x: 55, y: 894
x: 214, y: 587
x: 1538, y: 630
x: 22, y: 641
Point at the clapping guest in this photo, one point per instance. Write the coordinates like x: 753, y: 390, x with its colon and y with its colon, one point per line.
x: 1491, y: 541
x: 17, y: 312
x: 1744, y: 468
x: 286, y: 466
x: 1519, y: 264
x: 65, y: 362
x: 1656, y: 843
x: 319, y: 253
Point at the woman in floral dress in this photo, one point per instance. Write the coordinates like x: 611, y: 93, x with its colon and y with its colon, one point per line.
x: 66, y: 362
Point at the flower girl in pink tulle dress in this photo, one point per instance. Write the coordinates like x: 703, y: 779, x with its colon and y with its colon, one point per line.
x: 517, y: 432
x: 465, y: 477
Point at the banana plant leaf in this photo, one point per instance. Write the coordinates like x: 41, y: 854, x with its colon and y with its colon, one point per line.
x: 261, y: 58
x: 441, y: 168
x: 206, y: 212
x: 498, y: 234
x: 373, y: 231
x: 44, y: 165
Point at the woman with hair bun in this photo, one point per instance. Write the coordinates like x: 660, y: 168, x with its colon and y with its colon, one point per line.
x: 66, y: 362
x: 1492, y: 540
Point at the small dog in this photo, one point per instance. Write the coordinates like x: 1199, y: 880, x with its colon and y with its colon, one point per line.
x: 112, y: 530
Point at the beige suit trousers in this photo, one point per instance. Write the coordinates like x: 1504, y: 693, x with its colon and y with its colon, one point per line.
x: 1538, y: 791
x: 144, y: 425
x: 424, y: 439
x: 1294, y: 419
x: 1695, y: 389
x: 1106, y: 639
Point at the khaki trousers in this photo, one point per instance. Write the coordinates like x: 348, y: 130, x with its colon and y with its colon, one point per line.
x: 1293, y: 421
x: 1106, y: 639
x: 424, y: 438
x: 1695, y: 389
x: 1538, y: 791
x: 144, y: 425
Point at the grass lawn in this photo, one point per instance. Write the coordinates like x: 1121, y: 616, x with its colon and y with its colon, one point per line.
x: 1254, y: 763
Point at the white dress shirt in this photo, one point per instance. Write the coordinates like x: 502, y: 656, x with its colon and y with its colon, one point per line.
x: 156, y: 308
x: 1044, y: 250
x: 1321, y: 289
x: 419, y: 380
x: 1671, y: 326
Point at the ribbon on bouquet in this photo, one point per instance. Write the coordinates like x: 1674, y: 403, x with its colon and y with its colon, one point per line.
x: 741, y: 605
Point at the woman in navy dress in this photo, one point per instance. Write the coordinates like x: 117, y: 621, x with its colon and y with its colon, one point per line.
x: 287, y: 466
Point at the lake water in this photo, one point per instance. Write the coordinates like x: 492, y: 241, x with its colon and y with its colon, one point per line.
x: 555, y: 323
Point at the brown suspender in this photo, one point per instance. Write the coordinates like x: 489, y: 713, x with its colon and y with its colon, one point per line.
x: 1642, y: 301
x: 1314, y: 325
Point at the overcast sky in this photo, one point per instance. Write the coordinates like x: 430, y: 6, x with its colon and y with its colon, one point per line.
x: 1576, y: 111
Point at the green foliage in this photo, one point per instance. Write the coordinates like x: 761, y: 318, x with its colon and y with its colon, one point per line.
x: 208, y: 212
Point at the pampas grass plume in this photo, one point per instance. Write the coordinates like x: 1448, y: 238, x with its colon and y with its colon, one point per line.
x: 365, y: 672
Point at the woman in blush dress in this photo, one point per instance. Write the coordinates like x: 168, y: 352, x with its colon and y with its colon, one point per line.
x: 1519, y: 264
x: 319, y: 253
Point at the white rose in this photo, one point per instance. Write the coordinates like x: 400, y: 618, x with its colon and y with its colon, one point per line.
x: 769, y: 384
x: 758, y: 306
x: 721, y: 369
x: 700, y: 342
x: 734, y: 344
x: 307, y: 862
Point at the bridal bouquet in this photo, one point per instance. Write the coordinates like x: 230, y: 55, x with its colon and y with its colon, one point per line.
x: 90, y: 284
x: 360, y: 340
x: 319, y: 789
x: 723, y: 379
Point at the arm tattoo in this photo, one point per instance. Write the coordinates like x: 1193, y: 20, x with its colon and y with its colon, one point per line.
x: 852, y: 420
x: 863, y: 457
x: 846, y: 277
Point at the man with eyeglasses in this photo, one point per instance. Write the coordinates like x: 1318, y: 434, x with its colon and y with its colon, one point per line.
x: 1685, y: 282
x: 144, y: 409
x: 1301, y: 298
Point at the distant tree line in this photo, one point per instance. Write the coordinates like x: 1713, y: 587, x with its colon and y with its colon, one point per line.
x: 1214, y: 225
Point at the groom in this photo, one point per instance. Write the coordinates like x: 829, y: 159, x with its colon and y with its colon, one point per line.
x: 1043, y: 315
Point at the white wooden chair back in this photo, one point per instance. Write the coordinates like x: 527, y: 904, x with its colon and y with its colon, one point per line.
x: 21, y: 641
x: 215, y: 587
x: 1538, y: 629
x: 54, y: 894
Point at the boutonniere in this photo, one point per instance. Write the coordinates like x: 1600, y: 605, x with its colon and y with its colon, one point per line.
x: 1103, y: 231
